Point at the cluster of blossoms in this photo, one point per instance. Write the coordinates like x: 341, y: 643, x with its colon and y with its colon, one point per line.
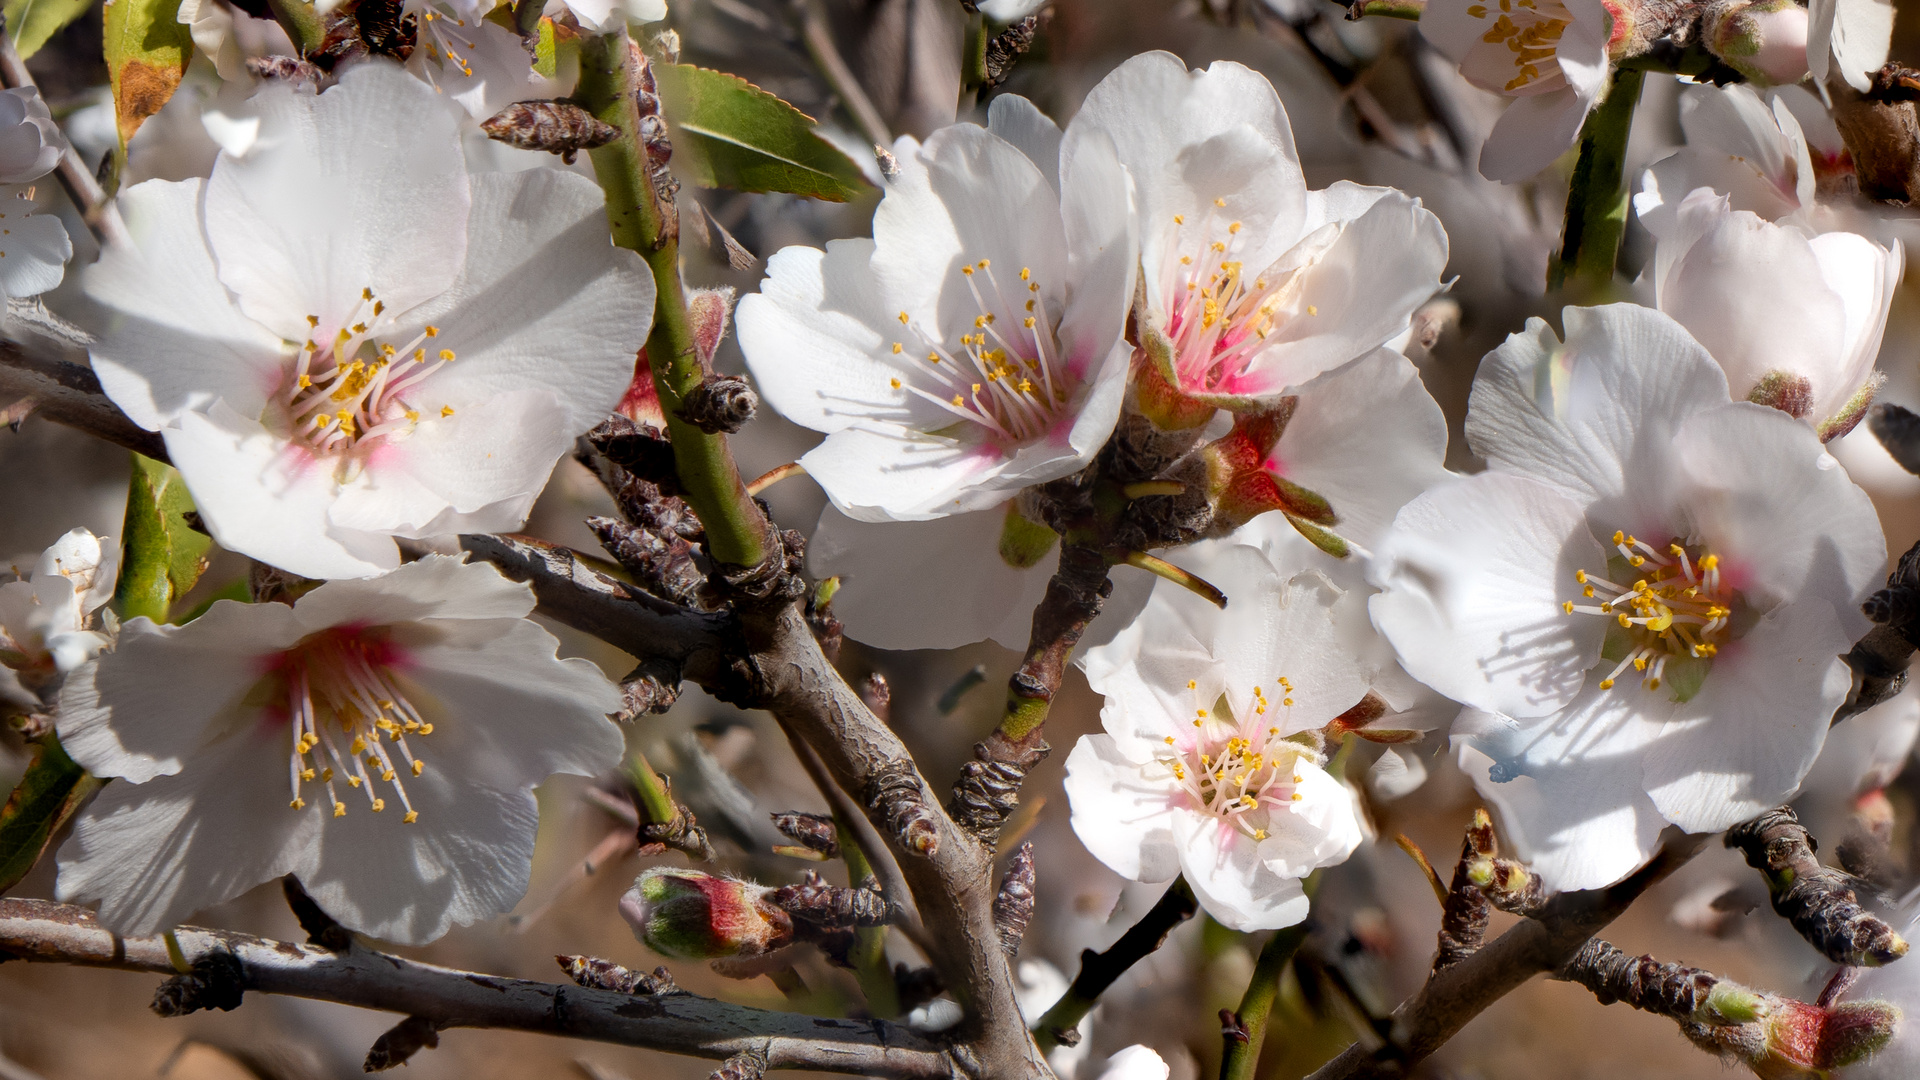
x: 1141, y: 340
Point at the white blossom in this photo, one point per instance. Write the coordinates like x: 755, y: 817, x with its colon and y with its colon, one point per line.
x: 1644, y: 599
x: 49, y: 616
x: 1210, y: 764
x: 291, y: 327
x: 1848, y: 38
x: 1549, y: 56
x: 30, y: 142
x: 380, y: 739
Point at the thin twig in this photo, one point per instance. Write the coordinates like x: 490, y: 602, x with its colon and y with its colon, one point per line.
x: 69, y: 393
x: 1243, y: 1037
x: 817, y: 36
x: 675, y: 1023
x: 1099, y: 970
x: 88, y: 196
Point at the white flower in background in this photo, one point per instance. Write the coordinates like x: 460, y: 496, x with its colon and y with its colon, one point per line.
x: 344, y: 338
x: 1136, y: 1062
x: 1210, y: 765
x: 1848, y: 38
x: 1773, y: 156
x: 30, y: 141
x: 479, y: 63
x: 1794, y: 319
x: 1549, y: 56
x: 1252, y: 283
x: 379, y: 739
x: 1863, y: 754
x: 603, y: 15
x: 48, y: 624
x: 971, y: 348
x: 1644, y: 598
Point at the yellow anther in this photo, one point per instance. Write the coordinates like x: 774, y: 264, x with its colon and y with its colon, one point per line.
x: 1619, y: 537
x: 339, y: 809
x: 426, y: 729
x: 446, y: 354
x: 433, y: 331
x: 313, y: 320
x: 967, y: 270
x: 298, y: 804
x: 446, y: 410
x: 359, y: 745
x: 1219, y: 202
x: 1312, y: 310
x: 1025, y: 273
x: 353, y: 781
x: 305, y: 381
x: 379, y: 805
x: 897, y: 348
x: 306, y: 774
x: 412, y: 816
x: 1179, y: 219
x: 1567, y: 606
x: 387, y: 777
x: 1169, y: 740
x: 1606, y: 684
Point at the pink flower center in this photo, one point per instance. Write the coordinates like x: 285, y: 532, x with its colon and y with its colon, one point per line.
x: 1239, y: 771
x: 356, y: 388
x: 1218, y: 318
x: 1010, y: 380
x: 1675, y: 613
x: 341, y: 698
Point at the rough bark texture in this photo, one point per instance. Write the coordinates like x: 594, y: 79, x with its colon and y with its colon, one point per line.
x: 1818, y: 900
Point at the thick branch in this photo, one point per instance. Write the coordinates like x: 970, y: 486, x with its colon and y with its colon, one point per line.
x: 675, y: 1023
x: 1456, y: 995
x: 69, y: 393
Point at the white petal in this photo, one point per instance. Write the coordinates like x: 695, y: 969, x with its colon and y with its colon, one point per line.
x: 1532, y: 133
x: 261, y: 496
x: 33, y: 255
x: 434, y: 587
x: 361, y: 187
x: 543, y: 301
x: 1473, y: 575
x: 154, y: 853
x: 1136, y: 1062
x: 147, y: 708
x: 1785, y: 519
x: 880, y: 474
x: 1123, y: 819
x: 1021, y: 123
x: 1741, y: 745
x: 1583, y: 826
x: 1367, y: 437
x: 174, y: 341
x: 1596, y: 417
x: 1229, y: 879
x: 1320, y: 828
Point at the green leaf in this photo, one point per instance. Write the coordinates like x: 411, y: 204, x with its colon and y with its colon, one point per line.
x: 729, y: 133
x: 147, y: 50
x: 546, y: 55
x: 32, y: 22
x: 164, y: 555
x: 52, y: 789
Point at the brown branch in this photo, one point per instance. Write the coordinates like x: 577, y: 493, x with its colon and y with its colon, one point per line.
x: 676, y: 1023
x: 69, y: 393
x: 1539, y: 945
x: 1818, y: 900
x: 1464, y: 912
x: 88, y: 197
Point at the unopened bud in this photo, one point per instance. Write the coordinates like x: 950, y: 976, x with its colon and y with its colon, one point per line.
x: 1242, y: 483
x: 691, y: 915
x: 1792, y: 1040
x: 1766, y: 40
x: 1024, y: 541
x: 707, y: 313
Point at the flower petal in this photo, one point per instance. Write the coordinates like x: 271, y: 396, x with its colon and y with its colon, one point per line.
x: 1021, y: 123
x: 1125, y: 820
x: 1229, y: 879
x: 1532, y: 133
x: 433, y: 587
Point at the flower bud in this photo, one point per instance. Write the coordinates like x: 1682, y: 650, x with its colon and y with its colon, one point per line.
x: 1765, y: 40
x: 690, y: 915
x: 707, y: 312
x: 1793, y: 1040
x: 1241, y: 485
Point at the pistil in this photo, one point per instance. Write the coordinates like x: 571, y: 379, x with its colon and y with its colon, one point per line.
x: 1678, y: 608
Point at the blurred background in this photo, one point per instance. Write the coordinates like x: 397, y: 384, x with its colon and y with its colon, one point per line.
x: 1369, y: 101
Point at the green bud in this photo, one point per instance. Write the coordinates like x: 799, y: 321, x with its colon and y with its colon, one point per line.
x: 690, y: 915
x: 1023, y: 541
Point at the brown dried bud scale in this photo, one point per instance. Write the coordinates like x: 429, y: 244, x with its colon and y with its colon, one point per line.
x: 1013, y: 904
x: 720, y: 404
x: 402, y: 1041
x: 556, y: 127
x: 815, y: 832
x: 216, y: 982
x: 1819, y: 901
x: 285, y: 68
x: 1007, y: 47
x: 831, y: 906
x: 896, y: 791
x: 745, y: 1065
x: 597, y: 974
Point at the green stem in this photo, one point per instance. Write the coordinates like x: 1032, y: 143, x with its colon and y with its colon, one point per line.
x: 737, y: 533
x: 1386, y: 9
x: 1098, y: 971
x: 1256, y: 1006
x: 1597, y: 201
x: 526, y: 16
x: 655, y: 803
x: 301, y: 21
x: 869, y: 952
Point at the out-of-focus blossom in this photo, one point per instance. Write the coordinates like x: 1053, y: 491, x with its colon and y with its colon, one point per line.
x: 1775, y: 156
x: 1794, y: 319
x: 48, y: 615
x: 604, y: 15
x: 261, y: 740
x: 1848, y: 38
x: 1211, y: 762
x: 1764, y: 40
x: 1550, y: 57
x: 30, y: 142
x: 1136, y: 1062
x: 1251, y: 283
x: 1634, y: 527
x: 477, y: 62
x: 344, y: 338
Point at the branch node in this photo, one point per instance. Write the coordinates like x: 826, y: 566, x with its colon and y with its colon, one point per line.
x: 814, y: 834
x: 682, y: 832
x: 557, y: 127
x: 1464, y: 916
x: 989, y: 786
x: 720, y: 404
x: 597, y: 974
x: 320, y: 927
x: 216, y: 982
x: 402, y: 1041
x: 831, y: 906
x: 1013, y: 904
x: 896, y: 791
x: 1819, y: 901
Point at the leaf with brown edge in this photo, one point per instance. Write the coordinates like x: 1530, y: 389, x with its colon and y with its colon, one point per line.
x: 147, y: 49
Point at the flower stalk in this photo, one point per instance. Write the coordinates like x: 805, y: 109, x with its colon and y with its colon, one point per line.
x: 1597, y: 203
x: 1099, y: 970
x: 1242, y: 1038
x: 612, y: 73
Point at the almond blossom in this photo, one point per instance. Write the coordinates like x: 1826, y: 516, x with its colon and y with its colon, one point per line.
x: 1251, y: 283
x: 1848, y: 38
x: 1779, y: 156
x: 1211, y: 764
x: 1643, y: 600
x: 379, y: 739
x: 50, y: 617
x: 1549, y: 56
x: 344, y: 338
x: 1795, y: 319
